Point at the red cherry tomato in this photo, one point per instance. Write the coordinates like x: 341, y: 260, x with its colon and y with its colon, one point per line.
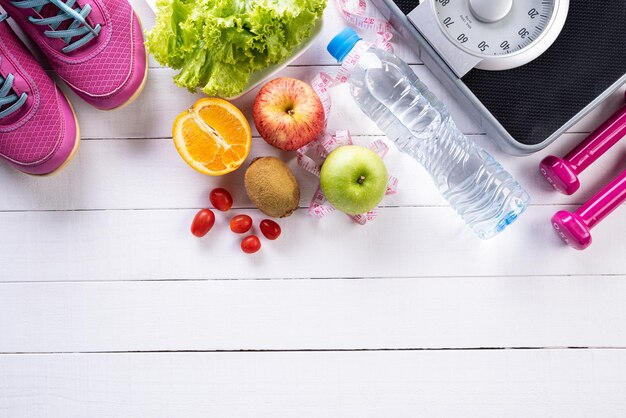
x: 241, y: 224
x: 221, y: 199
x: 270, y: 229
x: 250, y: 244
x: 202, y: 222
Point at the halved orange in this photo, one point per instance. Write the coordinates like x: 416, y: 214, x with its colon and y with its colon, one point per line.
x: 213, y: 136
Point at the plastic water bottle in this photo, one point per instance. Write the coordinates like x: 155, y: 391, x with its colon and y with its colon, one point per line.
x: 388, y: 91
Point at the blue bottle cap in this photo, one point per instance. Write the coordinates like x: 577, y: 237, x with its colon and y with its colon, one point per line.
x: 342, y: 44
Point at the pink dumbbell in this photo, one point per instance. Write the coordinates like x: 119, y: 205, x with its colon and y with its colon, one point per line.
x: 574, y: 228
x: 563, y: 173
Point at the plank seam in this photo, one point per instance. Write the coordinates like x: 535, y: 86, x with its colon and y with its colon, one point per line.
x: 226, y: 279
x: 313, y: 350
x: 573, y: 205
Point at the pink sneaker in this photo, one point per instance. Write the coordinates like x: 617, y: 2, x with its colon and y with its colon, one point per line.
x: 38, y: 129
x: 95, y: 46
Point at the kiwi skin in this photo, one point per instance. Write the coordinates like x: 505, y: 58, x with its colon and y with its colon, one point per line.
x: 272, y: 187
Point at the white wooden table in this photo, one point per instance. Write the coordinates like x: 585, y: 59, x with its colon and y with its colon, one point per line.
x: 109, y: 307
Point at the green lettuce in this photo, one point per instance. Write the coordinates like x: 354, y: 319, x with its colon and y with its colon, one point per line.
x: 218, y: 44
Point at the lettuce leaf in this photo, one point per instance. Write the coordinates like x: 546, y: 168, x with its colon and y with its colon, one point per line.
x: 218, y: 44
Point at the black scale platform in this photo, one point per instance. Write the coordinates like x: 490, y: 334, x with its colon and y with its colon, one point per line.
x: 533, y: 101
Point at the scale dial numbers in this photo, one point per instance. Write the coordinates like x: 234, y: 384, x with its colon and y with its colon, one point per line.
x: 524, y: 23
x: 502, y: 33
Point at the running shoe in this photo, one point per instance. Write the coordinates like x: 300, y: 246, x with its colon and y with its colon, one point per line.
x: 38, y: 129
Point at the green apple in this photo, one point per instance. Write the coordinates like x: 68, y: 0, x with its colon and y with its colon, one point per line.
x: 354, y: 179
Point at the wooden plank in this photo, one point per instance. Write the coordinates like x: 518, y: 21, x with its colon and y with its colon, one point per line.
x: 149, y: 174
x: 459, y: 312
x: 402, y: 242
x: 504, y: 383
x: 152, y: 114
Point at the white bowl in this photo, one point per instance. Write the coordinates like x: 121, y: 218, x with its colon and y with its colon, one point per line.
x: 270, y: 72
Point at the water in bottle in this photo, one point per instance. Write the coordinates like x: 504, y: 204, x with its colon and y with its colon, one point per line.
x: 388, y: 91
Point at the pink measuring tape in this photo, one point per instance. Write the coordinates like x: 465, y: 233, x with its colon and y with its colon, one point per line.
x: 319, y: 206
x: 354, y: 13
x: 322, y: 83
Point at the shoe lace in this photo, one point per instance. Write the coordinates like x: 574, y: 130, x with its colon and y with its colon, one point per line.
x: 10, y: 102
x: 79, y: 31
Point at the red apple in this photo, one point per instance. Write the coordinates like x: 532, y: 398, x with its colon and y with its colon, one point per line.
x: 288, y: 113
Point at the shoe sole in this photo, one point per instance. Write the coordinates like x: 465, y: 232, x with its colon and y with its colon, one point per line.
x: 74, y: 150
x: 143, y: 82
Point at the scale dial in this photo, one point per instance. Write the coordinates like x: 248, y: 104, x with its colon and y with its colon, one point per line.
x: 502, y: 33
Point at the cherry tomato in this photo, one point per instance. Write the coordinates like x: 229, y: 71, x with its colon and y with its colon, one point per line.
x: 202, y: 222
x: 241, y: 224
x: 270, y: 229
x: 250, y: 244
x: 221, y: 199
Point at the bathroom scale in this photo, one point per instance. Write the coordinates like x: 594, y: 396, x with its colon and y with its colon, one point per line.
x: 525, y: 70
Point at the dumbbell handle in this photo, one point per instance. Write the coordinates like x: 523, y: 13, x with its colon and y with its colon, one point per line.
x: 598, y: 142
x: 606, y: 201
